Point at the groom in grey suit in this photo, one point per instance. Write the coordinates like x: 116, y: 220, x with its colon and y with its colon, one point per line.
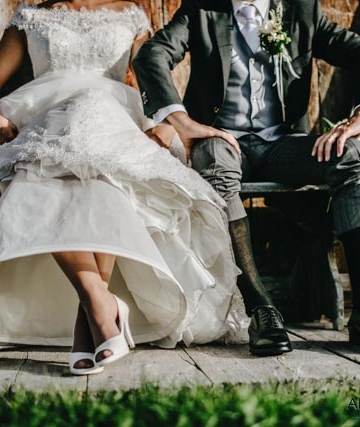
x: 237, y: 117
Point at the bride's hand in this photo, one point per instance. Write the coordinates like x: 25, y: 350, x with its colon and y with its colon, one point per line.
x: 161, y: 134
x: 8, y: 130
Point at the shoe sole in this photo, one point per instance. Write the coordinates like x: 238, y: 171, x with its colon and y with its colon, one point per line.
x: 271, y: 351
x: 86, y: 371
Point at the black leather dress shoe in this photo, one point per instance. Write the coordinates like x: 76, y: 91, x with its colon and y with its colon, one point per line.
x: 266, y: 332
x: 354, y: 328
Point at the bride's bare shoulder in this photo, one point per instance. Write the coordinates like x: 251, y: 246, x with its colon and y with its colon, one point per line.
x: 47, y: 4
x: 119, y: 5
x: 77, y: 4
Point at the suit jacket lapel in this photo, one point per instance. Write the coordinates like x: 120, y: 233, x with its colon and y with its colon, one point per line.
x: 222, y: 21
x: 287, y: 10
x: 223, y: 25
x: 289, y: 25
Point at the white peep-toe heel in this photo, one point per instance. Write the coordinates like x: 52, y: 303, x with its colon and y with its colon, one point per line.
x: 76, y: 356
x: 119, y: 344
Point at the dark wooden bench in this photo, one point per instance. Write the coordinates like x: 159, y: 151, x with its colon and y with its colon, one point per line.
x: 293, y: 243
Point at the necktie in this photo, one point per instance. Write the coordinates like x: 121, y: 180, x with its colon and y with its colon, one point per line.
x: 250, y: 30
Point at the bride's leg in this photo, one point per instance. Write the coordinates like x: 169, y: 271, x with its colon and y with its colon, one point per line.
x: 83, y: 341
x: 82, y: 270
x: 105, y: 264
x: 82, y: 335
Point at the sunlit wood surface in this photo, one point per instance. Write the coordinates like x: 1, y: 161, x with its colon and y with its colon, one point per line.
x: 318, y: 355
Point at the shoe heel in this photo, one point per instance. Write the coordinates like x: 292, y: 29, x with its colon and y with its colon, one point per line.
x: 119, y: 344
x: 128, y: 335
x: 124, y: 321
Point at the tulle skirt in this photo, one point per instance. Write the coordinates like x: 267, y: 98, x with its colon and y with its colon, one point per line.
x: 82, y: 176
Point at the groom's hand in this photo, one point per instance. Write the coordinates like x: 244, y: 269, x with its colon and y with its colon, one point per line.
x: 189, y: 131
x: 337, y: 135
x: 8, y: 130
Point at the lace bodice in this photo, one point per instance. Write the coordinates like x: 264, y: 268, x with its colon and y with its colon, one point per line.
x: 87, y: 40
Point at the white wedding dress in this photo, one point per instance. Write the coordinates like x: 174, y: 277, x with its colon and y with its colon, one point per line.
x: 82, y: 176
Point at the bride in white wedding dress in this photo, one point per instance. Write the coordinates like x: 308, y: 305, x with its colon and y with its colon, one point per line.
x: 88, y: 198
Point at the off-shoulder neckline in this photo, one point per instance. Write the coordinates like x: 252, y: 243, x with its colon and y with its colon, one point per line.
x: 63, y: 8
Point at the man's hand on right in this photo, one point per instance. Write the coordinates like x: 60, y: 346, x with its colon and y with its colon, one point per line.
x: 8, y: 130
x: 189, y: 131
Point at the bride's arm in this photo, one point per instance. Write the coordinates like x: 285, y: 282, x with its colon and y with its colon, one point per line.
x: 8, y: 130
x: 12, y: 48
x: 163, y: 133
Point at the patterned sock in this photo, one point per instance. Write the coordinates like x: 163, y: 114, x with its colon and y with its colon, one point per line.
x: 249, y: 282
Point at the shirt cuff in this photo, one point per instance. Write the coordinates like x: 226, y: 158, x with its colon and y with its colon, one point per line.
x: 162, y: 113
x: 353, y: 109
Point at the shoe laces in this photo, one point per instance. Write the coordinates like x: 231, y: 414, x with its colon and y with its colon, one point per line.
x: 270, y: 317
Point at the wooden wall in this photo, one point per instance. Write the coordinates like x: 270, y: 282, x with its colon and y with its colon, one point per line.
x: 331, y: 90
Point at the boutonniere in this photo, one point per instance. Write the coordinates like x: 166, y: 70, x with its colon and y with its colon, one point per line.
x: 273, y: 38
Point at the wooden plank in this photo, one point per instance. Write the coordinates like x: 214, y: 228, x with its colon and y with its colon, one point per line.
x: 336, y: 342
x: 311, y: 361
x: 307, y: 361
x: 235, y: 364
x: 318, y: 332
x: 47, y: 368
x: 11, y: 360
x: 318, y: 354
x: 149, y: 365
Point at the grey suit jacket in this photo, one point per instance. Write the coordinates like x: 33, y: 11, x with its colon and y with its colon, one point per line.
x: 205, y: 29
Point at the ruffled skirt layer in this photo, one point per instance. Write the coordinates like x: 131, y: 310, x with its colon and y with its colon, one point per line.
x: 82, y: 176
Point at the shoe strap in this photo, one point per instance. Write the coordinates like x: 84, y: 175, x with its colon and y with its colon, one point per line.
x: 80, y: 355
x: 112, y: 344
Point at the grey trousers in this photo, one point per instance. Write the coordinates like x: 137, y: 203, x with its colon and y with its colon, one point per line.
x: 287, y: 160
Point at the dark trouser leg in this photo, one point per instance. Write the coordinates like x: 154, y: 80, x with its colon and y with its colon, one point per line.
x: 351, y: 243
x: 345, y: 181
x: 288, y: 160
x: 220, y: 165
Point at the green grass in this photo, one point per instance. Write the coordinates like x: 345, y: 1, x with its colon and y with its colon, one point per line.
x: 288, y: 405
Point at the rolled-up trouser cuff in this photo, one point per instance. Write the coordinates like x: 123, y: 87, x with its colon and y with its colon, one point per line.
x: 220, y: 165
x: 235, y: 209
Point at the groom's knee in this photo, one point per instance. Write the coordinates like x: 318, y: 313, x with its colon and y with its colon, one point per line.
x: 219, y: 164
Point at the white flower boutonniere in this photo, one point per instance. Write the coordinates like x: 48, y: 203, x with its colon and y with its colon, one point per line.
x: 274, y: 40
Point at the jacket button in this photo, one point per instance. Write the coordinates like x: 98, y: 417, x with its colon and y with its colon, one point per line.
x: 216, y: 109
x: 144, y: 98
